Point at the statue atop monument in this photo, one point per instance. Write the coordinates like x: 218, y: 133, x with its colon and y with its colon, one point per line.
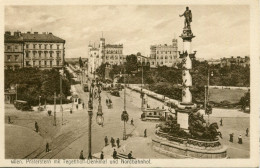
x: 188, y: 18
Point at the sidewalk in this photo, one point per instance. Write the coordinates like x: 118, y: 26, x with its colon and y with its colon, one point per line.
x: 233, y: 113
x: 133, y: 144
x: 20, y: 141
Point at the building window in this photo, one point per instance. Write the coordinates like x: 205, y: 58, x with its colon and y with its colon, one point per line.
x: 58, y: 54
x: 50, y: 63
x: 16, y: 57
x: 8, y: 47
x: 40, y: 54
x: 50, y: 46
x: 50, y: 54
x: 39, y: 63
x: 45, y: 46
x: 170, y: 52
x: 45, y: 63
x: 33, y: 53
x: 58, y: 47
x: 161, y: 52
x: 27, y: 54
x: 33, y: 63
x: 27, y: 63
x: 34, y: 46
x: 16, y: 47
x: 58, y: 63
x: 40, y: 46
x: 27, y: 45
x: 8, y: 57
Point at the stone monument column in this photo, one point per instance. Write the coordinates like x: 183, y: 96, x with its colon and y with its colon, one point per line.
x: 186, y: 106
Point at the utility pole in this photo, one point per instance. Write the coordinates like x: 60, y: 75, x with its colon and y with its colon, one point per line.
x: 142, y: 94
x: 16, y: 92
x: 54, y: 108
x: 61, y: 110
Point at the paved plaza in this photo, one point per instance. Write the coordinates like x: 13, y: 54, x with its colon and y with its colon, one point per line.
x: 67, y: 140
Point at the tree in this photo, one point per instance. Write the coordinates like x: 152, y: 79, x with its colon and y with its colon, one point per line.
x: 131, y: 63
x: 34, y: 83
x: 245, y: 101
x: 101, y: 70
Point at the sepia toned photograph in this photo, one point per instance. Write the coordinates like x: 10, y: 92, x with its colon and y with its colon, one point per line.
x: 126, y: 84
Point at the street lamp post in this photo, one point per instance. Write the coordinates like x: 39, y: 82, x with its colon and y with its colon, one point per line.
x: 99, y: 118
x: 54, y: 109
x: 208, y: 109
x: 90, y: 114
x: 39, y: 103
x: 124, y: 115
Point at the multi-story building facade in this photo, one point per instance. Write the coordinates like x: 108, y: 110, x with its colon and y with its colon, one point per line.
x: 161, y: 55
x: 239, y: 61
x: 114, y: 54
x: 13, y: 51
x: 105, y: 53
x: 35, y: 50
x: 43, y: 50
x: 94, y: 59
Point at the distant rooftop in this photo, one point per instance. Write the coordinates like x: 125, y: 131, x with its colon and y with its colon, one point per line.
x: 33, y: 37
x: 114, y: 45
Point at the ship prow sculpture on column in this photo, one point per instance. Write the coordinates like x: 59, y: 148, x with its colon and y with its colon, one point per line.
x: 188, y: 135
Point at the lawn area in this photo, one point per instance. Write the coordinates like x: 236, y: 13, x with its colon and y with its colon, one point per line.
x: 233, y: 96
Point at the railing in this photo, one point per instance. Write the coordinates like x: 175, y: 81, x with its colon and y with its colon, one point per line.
x: 188, y: 141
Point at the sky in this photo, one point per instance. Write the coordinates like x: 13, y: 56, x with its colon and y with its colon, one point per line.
x: 221, y: 31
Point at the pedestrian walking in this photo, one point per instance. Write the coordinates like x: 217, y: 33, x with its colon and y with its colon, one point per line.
x: 240, y: 139
x: 231, y: 137
x: 70, y: 110
x: 77, y: 106
x: 36, y: 127
x: 102, y: 155
x: 221, y: 122
x: 47, y: 147
x: 118, y: 142
x: 115, y: 154
x: 247, y: 131
x: 130, y: 155
x: 83, y: 105
x: 81, y: 156
x: 132, y: 122
x: 112, y: 141
x: 145, y: 135
x: 106, y: 141
x: 9, y: 120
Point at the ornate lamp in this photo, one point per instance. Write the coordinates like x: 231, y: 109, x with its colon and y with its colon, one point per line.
x: 99, y: 117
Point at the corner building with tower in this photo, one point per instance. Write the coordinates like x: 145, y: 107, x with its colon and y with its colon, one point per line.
x: 104, y: 53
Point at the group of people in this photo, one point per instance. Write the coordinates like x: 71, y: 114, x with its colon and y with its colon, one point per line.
x: 112, y: 141
x: 115, y: 156
x: 240, y: 141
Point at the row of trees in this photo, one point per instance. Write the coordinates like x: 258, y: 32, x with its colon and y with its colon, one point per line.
x: 167, y: 80
x: 33, y: 83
